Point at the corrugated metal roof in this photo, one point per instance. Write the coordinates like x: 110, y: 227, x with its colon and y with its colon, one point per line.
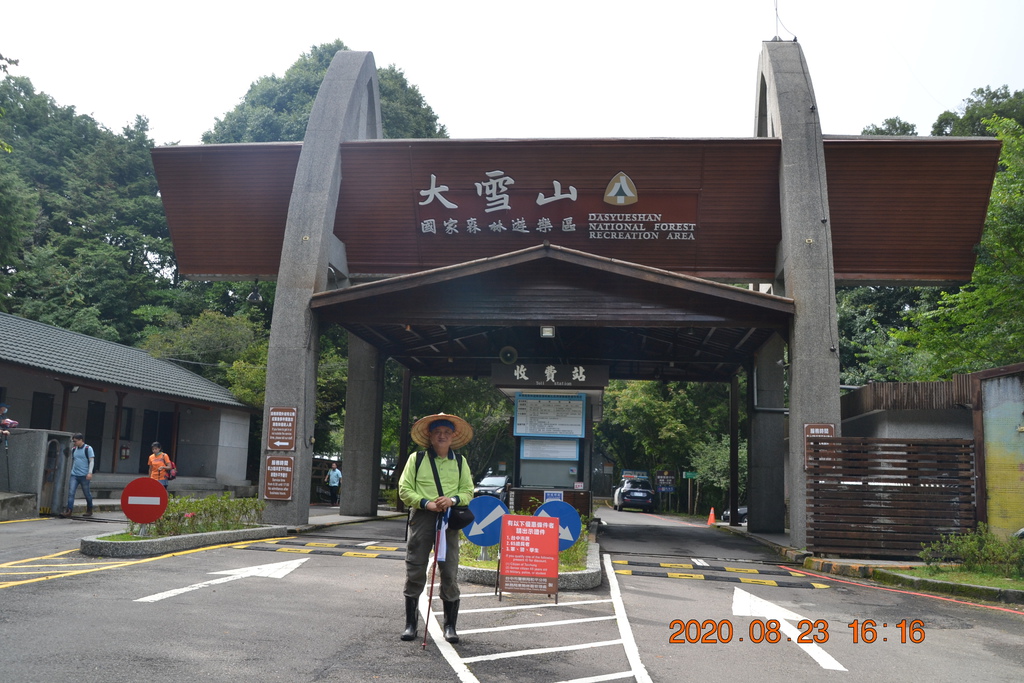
x: 78, y: 356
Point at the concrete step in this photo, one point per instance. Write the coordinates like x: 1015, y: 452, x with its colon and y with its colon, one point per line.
x: 17, y: 506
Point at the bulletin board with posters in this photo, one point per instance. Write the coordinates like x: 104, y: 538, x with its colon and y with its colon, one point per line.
x: 529, y: 555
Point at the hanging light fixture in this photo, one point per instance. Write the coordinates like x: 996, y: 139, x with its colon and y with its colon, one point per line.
x: 254, y: 296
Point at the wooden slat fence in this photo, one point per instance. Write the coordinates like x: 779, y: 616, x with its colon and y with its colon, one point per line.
x: 875, y: 497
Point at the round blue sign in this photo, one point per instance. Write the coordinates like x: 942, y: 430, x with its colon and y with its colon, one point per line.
x: 485, y: 530
x: 569, y: 524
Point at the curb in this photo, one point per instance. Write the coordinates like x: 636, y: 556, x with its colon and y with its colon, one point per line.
x: 585, y: 579
x: 963, y: 590
x: 889, y: 574
x: 94, y: 546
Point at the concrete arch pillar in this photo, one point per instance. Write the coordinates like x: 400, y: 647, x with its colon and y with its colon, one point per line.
x: 786, y: 109
x: 347, y: 107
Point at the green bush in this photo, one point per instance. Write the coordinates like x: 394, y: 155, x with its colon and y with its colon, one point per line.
x: 186, y: 515
x: 978, y: 551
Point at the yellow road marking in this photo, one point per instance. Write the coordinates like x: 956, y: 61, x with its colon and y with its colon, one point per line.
x: 113, y: 565
x: 759, y: 582
x: 741, y: 570
x: 360, y: 555
x: 685, y: 576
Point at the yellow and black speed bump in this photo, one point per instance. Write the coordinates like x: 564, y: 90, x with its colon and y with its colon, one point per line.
x: 713, y: 568
x: 380, y: 548
x: 722, y: 577
x: 320, y: 551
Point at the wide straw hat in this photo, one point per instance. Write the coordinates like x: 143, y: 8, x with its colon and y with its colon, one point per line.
x: 421, y: 430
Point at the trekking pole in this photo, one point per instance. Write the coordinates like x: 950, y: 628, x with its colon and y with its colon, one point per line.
x: 430, y: 592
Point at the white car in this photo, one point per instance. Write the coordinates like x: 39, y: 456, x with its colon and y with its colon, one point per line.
x: 633, y: 493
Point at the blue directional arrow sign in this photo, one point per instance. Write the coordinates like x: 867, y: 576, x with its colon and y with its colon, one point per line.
x: 569, y: 525
x: 486, y: 527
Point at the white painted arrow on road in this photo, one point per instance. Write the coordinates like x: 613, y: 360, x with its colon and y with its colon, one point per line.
x: 746, y: 605
x: 277, y: 570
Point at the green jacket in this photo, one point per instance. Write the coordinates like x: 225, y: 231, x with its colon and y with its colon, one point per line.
x: 417, y: 488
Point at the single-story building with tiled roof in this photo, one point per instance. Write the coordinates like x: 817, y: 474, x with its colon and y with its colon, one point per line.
x: 122, y: 399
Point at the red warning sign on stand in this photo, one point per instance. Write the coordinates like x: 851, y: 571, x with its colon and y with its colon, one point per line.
x: 144, y: 500
x: 529, y: 554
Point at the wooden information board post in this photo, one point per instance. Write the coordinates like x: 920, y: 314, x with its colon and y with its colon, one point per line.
x: 529, y: 555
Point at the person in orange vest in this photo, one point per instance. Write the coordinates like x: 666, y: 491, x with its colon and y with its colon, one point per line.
x: 159, y: 464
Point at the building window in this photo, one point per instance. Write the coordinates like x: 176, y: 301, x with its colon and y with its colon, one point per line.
x: 127, y: 414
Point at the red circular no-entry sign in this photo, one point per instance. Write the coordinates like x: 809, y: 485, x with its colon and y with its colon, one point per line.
x: 144, y: 500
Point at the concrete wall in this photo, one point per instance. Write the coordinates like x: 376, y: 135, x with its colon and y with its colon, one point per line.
x: 214, y: 443
x: 952, y: 423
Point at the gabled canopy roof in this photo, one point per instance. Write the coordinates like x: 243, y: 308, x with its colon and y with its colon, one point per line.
x: 78, y: 358
x: 642, y: 322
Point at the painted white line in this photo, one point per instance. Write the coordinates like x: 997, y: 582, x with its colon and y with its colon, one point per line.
x: 745, y: 604
x: 541, y: 651
x: 699, y: 562
x: 603, y: 677
x: 143, y: 500
x: 187, y: 589
x: 542, y: 624
x: 628, y: 642
x: 536, y: 606
x: 369, y: 543
x: 456, y: 662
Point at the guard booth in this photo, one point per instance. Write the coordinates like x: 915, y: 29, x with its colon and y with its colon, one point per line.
x: 555, y: 409
x: 36, y: 463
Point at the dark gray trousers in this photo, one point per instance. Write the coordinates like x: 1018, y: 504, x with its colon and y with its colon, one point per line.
x: 422, y: 531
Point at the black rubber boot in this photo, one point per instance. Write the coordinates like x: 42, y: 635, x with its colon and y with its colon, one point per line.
x: 451, y: 616
x: 87, y: 513
x: 411, y: 618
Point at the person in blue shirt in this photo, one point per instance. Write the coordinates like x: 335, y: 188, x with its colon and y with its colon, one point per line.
x: 82, y: 460
x: 333, y: 480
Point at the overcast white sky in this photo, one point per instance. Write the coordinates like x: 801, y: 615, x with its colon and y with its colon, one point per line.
x: 523, y: 69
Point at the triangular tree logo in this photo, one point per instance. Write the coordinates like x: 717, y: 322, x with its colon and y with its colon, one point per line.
x: 620, y: 191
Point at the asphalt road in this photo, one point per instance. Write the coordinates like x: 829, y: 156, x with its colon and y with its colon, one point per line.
x: 328, y: 607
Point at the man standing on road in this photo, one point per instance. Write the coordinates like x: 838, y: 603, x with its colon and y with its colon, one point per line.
x: 439, y: 467
x: 333, y: 480
x: 82, y: 460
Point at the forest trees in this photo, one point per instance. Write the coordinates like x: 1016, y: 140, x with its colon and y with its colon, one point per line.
x: 930, y: 333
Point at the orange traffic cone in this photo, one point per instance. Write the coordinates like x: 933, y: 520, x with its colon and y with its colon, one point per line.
x: 711, y: 517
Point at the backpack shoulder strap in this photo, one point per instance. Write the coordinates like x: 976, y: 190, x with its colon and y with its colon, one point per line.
x: 419, y: 460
